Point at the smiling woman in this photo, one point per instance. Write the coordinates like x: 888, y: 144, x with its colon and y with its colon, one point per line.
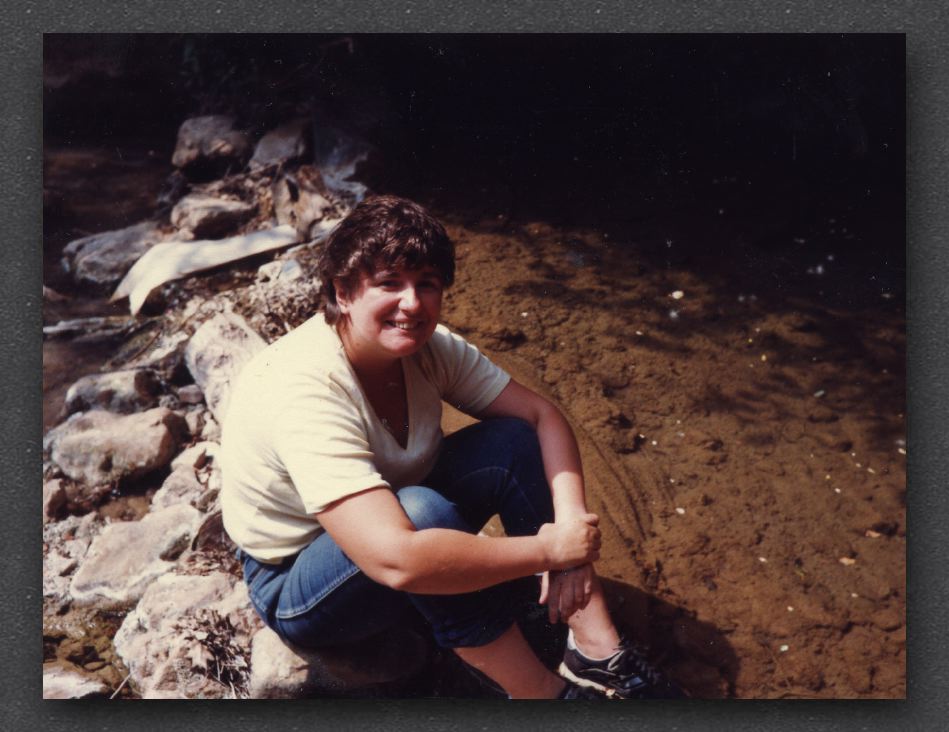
x: 340, y: 420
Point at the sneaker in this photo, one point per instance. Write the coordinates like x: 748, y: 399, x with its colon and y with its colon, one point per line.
x: 576, y: 691
x: 626, y: 674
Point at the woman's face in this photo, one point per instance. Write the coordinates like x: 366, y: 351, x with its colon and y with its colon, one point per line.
x: 391, y: 313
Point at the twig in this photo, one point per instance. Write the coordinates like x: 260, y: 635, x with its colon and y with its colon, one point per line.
x: 116, y: 692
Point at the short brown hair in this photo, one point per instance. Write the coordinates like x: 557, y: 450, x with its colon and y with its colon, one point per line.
x: 383, y: 231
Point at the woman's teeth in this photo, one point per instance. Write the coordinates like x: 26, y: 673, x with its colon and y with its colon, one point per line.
x: 403, y: 326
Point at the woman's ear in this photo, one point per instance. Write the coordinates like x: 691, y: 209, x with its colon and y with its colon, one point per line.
x: 342, y: 295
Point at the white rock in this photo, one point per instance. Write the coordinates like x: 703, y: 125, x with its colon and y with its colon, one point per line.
x: 208, y: 217
x: 215, y: 355
x: 196, y: 456
x: 284, y: 144
x: 182, y: 486
x: 281, y: 671
x: 300, y: 199
x: 190, y: 394
x: 160, y: 640
x: 99, y: 447
x: 101, y: 260
x: 58, y: 683
x: 126, y: 391
x: 128, y: 555
x: 210, y: 139
x: 65, y: 544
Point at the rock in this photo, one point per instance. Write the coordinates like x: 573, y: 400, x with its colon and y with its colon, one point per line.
x: 208, y: 146
x: 99, y: 447
x: 211, y: 431
x: 128, y: 555
x: 166, y: 356
x: 195, y: 420
x: 65, y: 543
x: 190, y: 394
x: 54, y: 498
x: 58, y: 683
x: 101, y: 260
x: 302, y: 199
x: 196, y: 456
x: 279, y: 671
x: 215, y: 355
x: 289, y: 142
x: 182, y: 486
x: 127, y: 391
x: 280, y: 270
x: 201, y: 216
x: 188, y: 637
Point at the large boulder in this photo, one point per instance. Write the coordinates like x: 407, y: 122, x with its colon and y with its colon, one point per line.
x: 101, y: 260
x: 202, y: 216
x: 189, y: 638
x: 127, y: 391
x: 99, y: 447
x: 127, y: 556
x: 287, y: 143
x: 210, y: 145
x: 215, y: 355
x: 281, y: 671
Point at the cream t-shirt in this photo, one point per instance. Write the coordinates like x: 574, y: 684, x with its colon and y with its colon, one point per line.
x: 300, y: 434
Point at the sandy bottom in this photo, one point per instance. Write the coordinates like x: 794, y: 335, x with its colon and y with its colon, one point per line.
x: 740, y: 413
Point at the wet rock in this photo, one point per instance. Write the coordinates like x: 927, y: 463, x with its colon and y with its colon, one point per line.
x: 201, y: 216
x: 215, y: 355
x: 65, y: 543
x: 188, y: 637
x: 54, y: 499
x: 127, y: 391
x: 302, y: 199
x: 279, y: 671
x: 127, y: 556
x: 100, y: 447
x: 182, y: 486
x: 208, y: 146
x: 59, y: 683
x: 101, y: 260
x: 289, y: 142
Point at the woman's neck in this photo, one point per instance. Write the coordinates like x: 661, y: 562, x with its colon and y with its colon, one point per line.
x: 369, y: 369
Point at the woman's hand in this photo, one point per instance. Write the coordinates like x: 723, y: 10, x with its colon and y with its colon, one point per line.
x: 571, y: 542
x: 565, y: 591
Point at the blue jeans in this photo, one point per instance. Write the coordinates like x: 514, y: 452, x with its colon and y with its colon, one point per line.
x: 319, y: 597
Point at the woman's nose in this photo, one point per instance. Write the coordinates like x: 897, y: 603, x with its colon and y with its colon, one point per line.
x: 409, y: 299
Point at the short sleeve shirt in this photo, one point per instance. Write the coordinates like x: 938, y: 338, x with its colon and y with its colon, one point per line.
x: 300, y: 434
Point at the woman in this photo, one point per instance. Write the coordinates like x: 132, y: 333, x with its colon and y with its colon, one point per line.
x: 350, y: 508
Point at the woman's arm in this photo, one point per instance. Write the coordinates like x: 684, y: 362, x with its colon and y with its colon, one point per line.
x: 558, y: 445
x: 376, y: 534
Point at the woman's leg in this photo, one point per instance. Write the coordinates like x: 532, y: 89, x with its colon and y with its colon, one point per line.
x: 495, y: 466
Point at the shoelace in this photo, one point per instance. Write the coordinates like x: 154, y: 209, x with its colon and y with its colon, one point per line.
x: 630, y: 657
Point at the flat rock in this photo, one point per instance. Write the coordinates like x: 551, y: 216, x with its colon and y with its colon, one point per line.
x: 127, y: 556
x: 289, y: 142
x: 281, y: 671
x: 208, y: 145
x: 101, y: 260
x: 124, y: 392
x: 202, y: 216
x: 99, y: 447
x: 60, y: 683
x: 215, y: 355
x: 188, y: 638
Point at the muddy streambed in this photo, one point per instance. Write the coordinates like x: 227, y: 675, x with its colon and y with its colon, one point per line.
x: 740, y: 409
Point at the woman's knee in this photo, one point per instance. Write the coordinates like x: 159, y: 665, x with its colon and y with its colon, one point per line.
x: 429, y: 509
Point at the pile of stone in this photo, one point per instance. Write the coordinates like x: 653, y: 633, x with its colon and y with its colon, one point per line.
x: 188, y: 629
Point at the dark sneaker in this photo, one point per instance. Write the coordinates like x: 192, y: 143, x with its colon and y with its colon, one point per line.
x: 626, y: 674
x: 575, y: 691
